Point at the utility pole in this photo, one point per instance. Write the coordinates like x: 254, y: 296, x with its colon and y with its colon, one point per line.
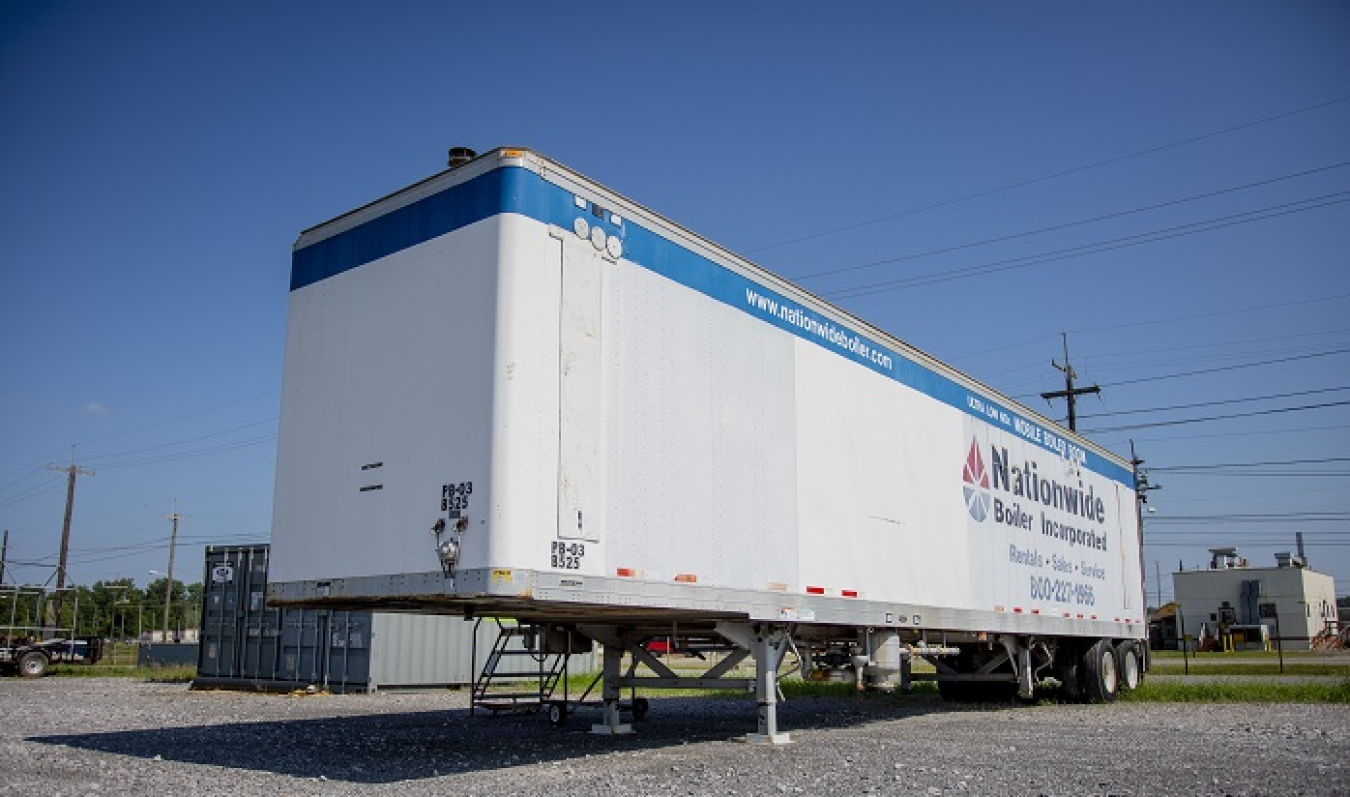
x: 168, y: 587
x: 1157, y: 573
x: 1070, y: 392
x: 1142, y: 488
x: 4, y: 551
x: 54, y: 606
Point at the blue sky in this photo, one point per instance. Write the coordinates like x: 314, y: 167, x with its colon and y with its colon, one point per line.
x: 1165, y: 182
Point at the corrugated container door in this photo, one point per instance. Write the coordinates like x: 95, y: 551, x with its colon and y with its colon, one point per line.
x: 348, y: 660
x: 255, y: 662
x: 208, y: 653
x: 303, y: 636
x: 226, y: 576
x: 269, y: 649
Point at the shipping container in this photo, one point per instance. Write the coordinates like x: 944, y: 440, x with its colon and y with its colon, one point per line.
x: 511, y: 390
x: 246, y: 643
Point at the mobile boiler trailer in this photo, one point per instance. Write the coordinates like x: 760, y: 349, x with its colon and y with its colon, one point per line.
x: 510, y: 391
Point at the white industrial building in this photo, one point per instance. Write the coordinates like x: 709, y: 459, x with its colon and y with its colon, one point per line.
x: 1291, y: 601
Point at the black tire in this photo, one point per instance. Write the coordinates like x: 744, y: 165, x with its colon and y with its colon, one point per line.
x: 640, y: 708
x: 557, y: 714
x: 1131, y: 667
x: 1101, y: 673
x: 33, y: 664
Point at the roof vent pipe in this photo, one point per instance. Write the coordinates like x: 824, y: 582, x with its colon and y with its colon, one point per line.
x: 460, y: 156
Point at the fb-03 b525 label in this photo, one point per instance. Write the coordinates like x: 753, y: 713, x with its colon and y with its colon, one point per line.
x: 455, y: 497
x: 1060, y: 591
x: 567, y: 555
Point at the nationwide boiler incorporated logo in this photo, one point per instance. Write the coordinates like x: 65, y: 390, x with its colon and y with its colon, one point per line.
x: 976, y: 484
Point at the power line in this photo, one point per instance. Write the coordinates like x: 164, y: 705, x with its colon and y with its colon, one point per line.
x: 38, y: 464
x: 1216, y: 359
x: 1202, y: 519
x: 1216, y: 402
x: 1210, y: 465
x: 1255, y: 516
x: 1214, y: 370
x: 185, y: 441
x: 200, y: 452
x: 1054, y: 176
x: 1099, y: 247
x: 1217, y: 369
x: 32, y: 492
x: 1213, y: 435
x: 1221, y: 344
x: 1145, y: 426
x: 1063, y: 226
x: 30, y: 474
x: 1269, y: 473
x: 177, y: 418
x: 1156, y: 321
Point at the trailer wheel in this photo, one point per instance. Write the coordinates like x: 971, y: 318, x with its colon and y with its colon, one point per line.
x: 557, y: 714
x: 1131, y: 672
x: 33, y: 664
x: 1101, y: 675
x: 640, y: 708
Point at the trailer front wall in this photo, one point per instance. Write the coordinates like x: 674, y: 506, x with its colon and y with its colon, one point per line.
x: 387, y: 397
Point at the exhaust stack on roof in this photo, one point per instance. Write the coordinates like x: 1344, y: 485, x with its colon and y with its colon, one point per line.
x: 460, y: 156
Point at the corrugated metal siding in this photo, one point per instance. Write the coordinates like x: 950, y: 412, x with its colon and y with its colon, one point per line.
x: 417, y: 649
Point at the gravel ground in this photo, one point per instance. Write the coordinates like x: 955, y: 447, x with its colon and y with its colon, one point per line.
x: 88, y: 736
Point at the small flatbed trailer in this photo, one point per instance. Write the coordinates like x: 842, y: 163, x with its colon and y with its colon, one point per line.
x: 29, y: 650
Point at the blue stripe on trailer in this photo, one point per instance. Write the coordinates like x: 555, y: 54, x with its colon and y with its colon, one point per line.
x: 512, y: 189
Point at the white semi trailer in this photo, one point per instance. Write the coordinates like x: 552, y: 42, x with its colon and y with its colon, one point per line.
x: 510, y: 391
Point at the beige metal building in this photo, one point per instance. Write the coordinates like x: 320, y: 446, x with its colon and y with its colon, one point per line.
x: 1292, y: 602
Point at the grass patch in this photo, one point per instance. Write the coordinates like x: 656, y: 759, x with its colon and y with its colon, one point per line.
x: 1249, y: 662
x: 169, y: 674
x: 165, y: 675
x: 1251, y: 668
x: 1260, y: 655
x: 91, y: 671
x: 1267, y: 692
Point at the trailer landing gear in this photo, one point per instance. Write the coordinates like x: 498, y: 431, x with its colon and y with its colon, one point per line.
x: 612, y: 723
x: 768, y: 644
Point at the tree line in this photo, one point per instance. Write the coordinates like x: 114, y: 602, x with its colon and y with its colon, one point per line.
x: 115, y: 609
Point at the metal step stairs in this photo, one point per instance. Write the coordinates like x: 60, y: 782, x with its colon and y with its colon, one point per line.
x: 518, y: 674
